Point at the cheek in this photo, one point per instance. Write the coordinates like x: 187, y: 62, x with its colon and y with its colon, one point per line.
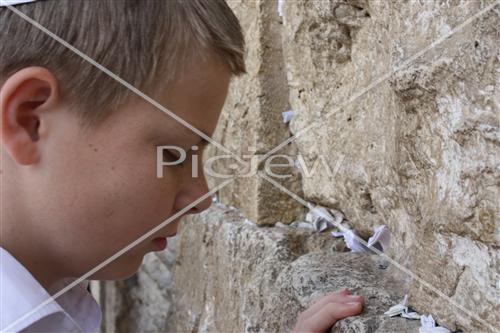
x: 131, y: 202
x: 106, y: 203
x: 121, y: 217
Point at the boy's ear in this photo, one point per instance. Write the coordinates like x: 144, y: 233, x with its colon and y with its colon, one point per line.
x: 24, y: 96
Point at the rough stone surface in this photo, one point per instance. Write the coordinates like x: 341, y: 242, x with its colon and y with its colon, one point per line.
x: 233, y: 276
x: 420, y: 150
x: 251, y: 123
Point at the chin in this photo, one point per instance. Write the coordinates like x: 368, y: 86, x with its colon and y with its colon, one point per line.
x: 122, y: 268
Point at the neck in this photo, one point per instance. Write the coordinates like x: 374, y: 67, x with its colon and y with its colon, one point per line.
x: 30, y: 257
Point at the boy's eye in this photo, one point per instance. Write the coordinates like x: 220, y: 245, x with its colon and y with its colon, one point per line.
x: 169, y: 156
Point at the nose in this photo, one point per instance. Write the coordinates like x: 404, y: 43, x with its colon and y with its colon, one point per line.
x: 193, y: 191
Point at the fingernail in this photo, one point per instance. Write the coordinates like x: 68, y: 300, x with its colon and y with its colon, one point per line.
x: 354, y: 297
x: 353, y: 303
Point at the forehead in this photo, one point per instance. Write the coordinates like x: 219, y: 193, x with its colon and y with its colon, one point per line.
x: 197, y: 98
x: 188, y: 120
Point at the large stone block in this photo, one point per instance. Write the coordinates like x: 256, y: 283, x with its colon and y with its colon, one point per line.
x: 419, y: 144
x: 233, y: 276
x: 251, y: 122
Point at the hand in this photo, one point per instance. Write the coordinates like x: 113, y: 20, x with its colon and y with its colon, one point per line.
x: 325, y: 312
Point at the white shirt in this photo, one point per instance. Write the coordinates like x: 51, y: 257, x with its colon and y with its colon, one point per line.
x: 74, y: 311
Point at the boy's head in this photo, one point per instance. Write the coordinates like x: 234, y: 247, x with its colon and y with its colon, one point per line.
x: 79, y: 148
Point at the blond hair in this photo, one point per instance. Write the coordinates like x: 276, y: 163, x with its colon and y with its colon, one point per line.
x: 146, y: 43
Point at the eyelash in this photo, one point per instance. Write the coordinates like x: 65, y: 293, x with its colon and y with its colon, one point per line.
x: 171, y: 157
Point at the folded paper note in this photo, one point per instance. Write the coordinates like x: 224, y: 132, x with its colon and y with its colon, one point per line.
x: 323, y: 218
x: 287, y: 116
x: 280, y: 7
x: 401, y: 309
x: 380, y: 239
x: 428, y: 325
x: 351, y: 240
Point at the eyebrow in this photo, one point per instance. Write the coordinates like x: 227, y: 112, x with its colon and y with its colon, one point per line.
x: 188, y: 136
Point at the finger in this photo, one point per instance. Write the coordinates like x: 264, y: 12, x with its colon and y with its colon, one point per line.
x: 329, y: 298
x: 352, y: 299
x: 329, y: 314
x: 322, y: 301
x: 339, y: 296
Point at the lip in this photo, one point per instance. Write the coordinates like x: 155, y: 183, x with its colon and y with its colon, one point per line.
x: 160, y: 243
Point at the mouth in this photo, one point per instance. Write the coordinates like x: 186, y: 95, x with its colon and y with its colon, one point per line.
x: 160, y: 243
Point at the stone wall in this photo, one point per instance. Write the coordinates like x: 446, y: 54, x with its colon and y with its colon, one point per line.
x: 233, y: 276
x: 420, y: 149
x: 403, y: 100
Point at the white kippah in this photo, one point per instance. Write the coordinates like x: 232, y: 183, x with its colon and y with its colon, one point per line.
x: 13, y: 2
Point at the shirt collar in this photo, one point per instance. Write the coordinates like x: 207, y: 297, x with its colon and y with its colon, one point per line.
x: 14, y: 2
x: 20, y: 293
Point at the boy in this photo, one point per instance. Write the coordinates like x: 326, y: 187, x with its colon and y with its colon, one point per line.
x: 79, y: 149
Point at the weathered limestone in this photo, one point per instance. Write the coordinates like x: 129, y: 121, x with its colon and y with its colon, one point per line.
x: 233, y: 276
x: 420, y: 149
x: 251, y: 123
